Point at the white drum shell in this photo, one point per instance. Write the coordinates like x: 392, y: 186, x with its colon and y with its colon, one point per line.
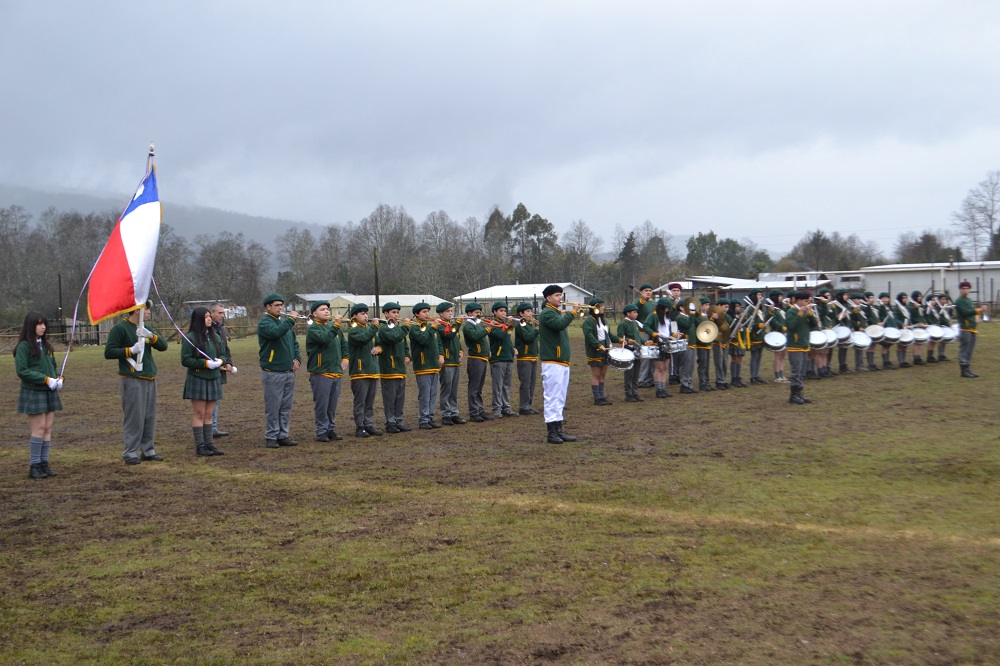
x: 920, y: 335
x: 861, y: 340
x: 621, y: 358
x: 892, y: 334
x: 831, y: 338
x: 843, y: 335
x: 876, y: 332
x: 935, y: 332
x: 905, y: 337
x: 948, y: 334
x: 817, y: 340
x: 775, y: 341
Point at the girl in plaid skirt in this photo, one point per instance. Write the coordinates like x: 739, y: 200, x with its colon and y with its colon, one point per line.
x: 202, y: 386
x: 35, y: 362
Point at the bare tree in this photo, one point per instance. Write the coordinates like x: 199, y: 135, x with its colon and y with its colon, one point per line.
x: 978, y: 219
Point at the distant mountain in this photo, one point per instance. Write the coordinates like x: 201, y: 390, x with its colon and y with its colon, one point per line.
x: 187, y: 221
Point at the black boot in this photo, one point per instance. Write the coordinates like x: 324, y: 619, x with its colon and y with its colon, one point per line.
x: 48, y: 470
x: 36, y: 472
x: 795, y: 397
x: 209, y: 441
x: 804, y: 400
x: 199, y: 442
x: 968, y: 373
x: 562, y: 433
x: 931, y: 359
x: 554, y: 437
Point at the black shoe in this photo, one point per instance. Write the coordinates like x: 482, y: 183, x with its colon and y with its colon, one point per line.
x: 674, y: 381
x: 942, y: 357
x: 931, y: 359
x: 646, y: 385
x: 660, y: 393
x: 795, y: 397
x: 525, y: 412
x: 391, y: 428
x: 534, y: 411
x: 216, y: 451
x: 904, y: 364
x: 48, y: 470
x: 425, y: 426
x: 403, y: 427
x: 203, y: 451
x: 132, y: 461
x: 497, y: 415
x: 738, y: 383
x: 446, y: 420
x: 604, y: 402
x: 509, y: 412
x: 918, y: 361
x: 284, y: 441
x: 435, y: 424
x: 333, y: 436
x: 631, y: 398
x: 36, y: 472
x: 220, y: 433
x: 271, y: 443
x: 685, y: 389
x: 485, y: 416
x: 360, y: 432
x: 562, y: 433
x: 706, y: 387
x: 968, y: 373
x: 721, y: 387
x: 323, y: 438
x: 152, y: 457
x: 372, y: 430
x: 476, y: 418
x: 553, y: 437
x: 873, y: 368
x: 458, y: 420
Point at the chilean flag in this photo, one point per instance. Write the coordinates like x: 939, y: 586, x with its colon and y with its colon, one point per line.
x: 120, y: 280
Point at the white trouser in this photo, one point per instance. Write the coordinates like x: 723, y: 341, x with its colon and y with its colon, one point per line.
x: 555, y: 383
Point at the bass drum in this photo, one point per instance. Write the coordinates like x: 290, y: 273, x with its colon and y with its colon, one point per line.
x: 905, y: 337
x: 861, y: 340
x: 817, y: 340
x: 843, y: 335
x: 621, y: 358
x: 935, y: 332
x: 831, y: 338
x: 775, y: 341
x: 875, y: 332
x: 891, y: 335
x: 948, y: 334
x: 920, y: 336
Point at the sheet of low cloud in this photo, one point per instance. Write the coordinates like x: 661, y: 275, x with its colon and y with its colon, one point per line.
x: 758, y: 120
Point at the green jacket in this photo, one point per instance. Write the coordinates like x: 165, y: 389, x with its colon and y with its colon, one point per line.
x: 395, y: 350
x: 121, y: 337
x: 966, y: 311
x: 798, y: 324
x: 916, y: 317
x: 278, y: 344
x: 501, y: 346
x: 630, y: 330
x: 646, y: 308
x: 325, y: 349
x: 452, y: 343
x: 427, y: 348
x: 477, y: 342
x: 360, y: 342
x: 526, y: 341
x: 197, y: 364
x: 32, y: 370
x: 553, y: 339
x: 591, y: 343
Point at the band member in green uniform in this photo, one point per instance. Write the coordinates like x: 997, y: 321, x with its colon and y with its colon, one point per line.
x: 901, y: 313
x: 738, y: 346
x: 476, y: 334
x: 201, y: 385
x: 326, y: 359
x: 279, y: 358
x: 662, y: 329
x: 450, y: 327
x: 363, y: 369
x: 758, y: 329
x: 597, y: 340
x: 966, y: 311
x: 392, y: 338
x: 799, y: 321
x: 775, y: 313
x: 428, y: 356
x: 916, y: 308
x: 35, y: 362
x: 629, y: 330
x: 645, y: 305
x: 501, y: 361
x: 526, y: 344
x: 554, y: 352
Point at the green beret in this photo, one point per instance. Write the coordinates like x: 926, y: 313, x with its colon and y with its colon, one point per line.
x: 271, y: 298
x: 595, y: 301
x: 704, y: 300
x: 823, y: 291
x: 916, y: 292
x: 884, y: 294
x: 317, y: 304
x: 629, y: 308
x: 840, y: 291
x: 774, y: 292
x: 472, y: 307
x: 521, y: 307
x: 754, y: 291
x: 869, y: 293
x: 665, y: 302
x: 421, y: 306
x: 391, y: 305
x: 443, y: 305
x: 358, y: 307
x: 857, y: 295
x: 497, y: 305
x: 722, y: 301
x: 901, y: 295
x: 645, y: 285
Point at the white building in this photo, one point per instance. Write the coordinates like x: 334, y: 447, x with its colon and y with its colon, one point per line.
x: 512, y: 294
x: 341, y: 302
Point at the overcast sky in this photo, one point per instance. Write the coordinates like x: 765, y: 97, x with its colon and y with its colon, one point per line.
x: 759, y: 119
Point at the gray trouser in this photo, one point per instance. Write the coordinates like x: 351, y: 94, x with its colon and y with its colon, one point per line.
x: 676, y: 359
x: 687, y: 368
x: 645, y: 367
x: 364, y: 402
x: 526, y: 374
x: 279, y: 391
x: 966, y: 344
x: 427, y: 393
x: 756, y: 356
x: 859, y: 360
x: 721, y: 358
x: 797, y: 360
x: 476, y: 369
x: 393, y: 397
x: 632, y: 381
x: 138, y: 415
x: 703, y: 361
x: 326, y: 393
x: 449, y: 390
x: 501, y: 376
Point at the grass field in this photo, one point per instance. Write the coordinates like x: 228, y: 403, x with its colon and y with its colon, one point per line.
x: 707, y: 529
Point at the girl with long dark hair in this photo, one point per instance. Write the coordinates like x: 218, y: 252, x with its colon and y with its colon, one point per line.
x: 202, y: 386
x: 35, y: 361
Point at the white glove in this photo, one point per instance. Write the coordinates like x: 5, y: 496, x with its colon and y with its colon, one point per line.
x: 52, y: 383
x: 59, y: 382
x: 233, y: 371
x: 215, y: 364
x: 137, y: 347
x: 143, y: 332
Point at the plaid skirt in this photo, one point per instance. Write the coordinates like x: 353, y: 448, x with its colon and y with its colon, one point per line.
x: 196, y: 388
x: 38, y: 402
x: 736, y: 350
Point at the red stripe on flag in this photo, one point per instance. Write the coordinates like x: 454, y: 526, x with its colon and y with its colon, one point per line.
x: 112, y: 290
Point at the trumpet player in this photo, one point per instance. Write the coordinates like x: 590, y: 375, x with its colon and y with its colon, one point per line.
x: 476, y: 335
x: 453, y: 353
x: 279, y: 361
x: 363, y: 368
x: 597, y: 340
x: 799, y: 320
x: 392, y: 362
x: 966, y: 311
x: 502, y: 355
x: 326, y: 359
x: 526, y: 348
x: 554, y: 354
x: 428, y: 357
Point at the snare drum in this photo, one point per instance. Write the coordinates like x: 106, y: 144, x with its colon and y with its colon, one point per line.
x: 621, y: 358
x: 935, y: 332
x: 905, y: 337
x: 861, y: 340
x: 831, y: 338
x: 677, y: 345
x: 948, y: 334
x: 891, y: 335
x: 875, y: 332
x: 775, y: 341
x: 649, y: 352
x: 920, y: 336
x: 843, y: 335
x: 817, y: 340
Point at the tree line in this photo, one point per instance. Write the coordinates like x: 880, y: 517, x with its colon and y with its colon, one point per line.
x: 440, y: 255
